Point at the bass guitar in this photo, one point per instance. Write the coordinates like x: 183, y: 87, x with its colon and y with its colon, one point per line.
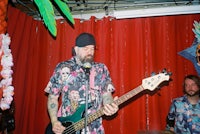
x: 75, y: 122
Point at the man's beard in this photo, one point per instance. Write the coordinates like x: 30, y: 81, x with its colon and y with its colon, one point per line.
x: 191, y: 94
x: 88, y: 58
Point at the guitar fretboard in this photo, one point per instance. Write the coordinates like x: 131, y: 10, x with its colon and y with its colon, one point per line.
x: 80, y: 124
x: 148, y: 83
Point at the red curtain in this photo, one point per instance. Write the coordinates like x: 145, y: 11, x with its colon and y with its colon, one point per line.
x: 131, y: 48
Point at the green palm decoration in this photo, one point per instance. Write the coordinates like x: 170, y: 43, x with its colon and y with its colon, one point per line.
x: 47, y: 12
x: 65, y: 9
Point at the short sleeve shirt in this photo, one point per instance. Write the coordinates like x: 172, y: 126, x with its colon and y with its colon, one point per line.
x: 70, y: 80
x: 185, y: 115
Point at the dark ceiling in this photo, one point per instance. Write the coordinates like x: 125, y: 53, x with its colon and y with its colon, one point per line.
x: 78, y: 6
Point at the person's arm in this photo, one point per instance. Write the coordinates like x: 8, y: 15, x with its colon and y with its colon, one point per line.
x: 52, y: 105
x: 170, y: 119
x: 110, y: 107
x: 170, y: 124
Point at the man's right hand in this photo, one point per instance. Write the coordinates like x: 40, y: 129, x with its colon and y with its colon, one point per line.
x: 57, y: 127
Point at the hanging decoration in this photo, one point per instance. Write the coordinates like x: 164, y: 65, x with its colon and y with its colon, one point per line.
x: 6, y: 60
x: 6, y: 72
x: 193, y: 53
x: 46, y: 10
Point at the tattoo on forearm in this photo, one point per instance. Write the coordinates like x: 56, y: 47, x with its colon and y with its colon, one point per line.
x: 53, y: 105
x: 107, y: 98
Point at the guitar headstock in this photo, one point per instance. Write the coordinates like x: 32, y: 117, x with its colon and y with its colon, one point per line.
x: 152, y: 82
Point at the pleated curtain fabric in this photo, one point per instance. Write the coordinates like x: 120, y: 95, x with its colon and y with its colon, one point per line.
x: 131, y: 48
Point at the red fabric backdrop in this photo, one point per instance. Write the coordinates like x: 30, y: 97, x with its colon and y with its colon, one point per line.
x: 131, y: 48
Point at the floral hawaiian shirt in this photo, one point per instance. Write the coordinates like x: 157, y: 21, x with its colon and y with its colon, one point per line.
x: 186, y: 116
x: 71, y: 82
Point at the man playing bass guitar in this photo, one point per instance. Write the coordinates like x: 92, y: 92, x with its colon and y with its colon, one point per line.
x: 85, y: 86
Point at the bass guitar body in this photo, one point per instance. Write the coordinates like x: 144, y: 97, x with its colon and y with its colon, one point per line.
x: 68, y: 121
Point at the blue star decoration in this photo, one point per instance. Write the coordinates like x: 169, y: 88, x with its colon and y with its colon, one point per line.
x: 190, y: 54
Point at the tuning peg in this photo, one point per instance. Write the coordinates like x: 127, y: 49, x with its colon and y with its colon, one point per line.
x: 153, y: 74
x: 164, y: 70
x: 169, y: 73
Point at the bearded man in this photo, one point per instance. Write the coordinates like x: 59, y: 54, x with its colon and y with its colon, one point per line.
x: 85, y: 87
x: 184, y: 113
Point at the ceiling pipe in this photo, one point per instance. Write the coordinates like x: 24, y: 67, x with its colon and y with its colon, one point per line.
x: 142, y: 12
x: 159, y: 11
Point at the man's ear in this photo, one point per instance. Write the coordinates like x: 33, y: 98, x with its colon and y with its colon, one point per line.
x: 75, y: 49
x: 73, y: 52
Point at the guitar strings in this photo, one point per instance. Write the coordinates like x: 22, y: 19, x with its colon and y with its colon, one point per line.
x: 71, y: 129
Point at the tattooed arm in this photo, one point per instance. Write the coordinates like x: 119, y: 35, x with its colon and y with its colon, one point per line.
x: 110, y: 107
x: 52, y: 105
x: 107, y: 98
